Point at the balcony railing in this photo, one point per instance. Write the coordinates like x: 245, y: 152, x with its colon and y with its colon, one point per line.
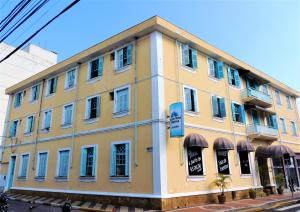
x: 262, y: 132
x: 256, y: 97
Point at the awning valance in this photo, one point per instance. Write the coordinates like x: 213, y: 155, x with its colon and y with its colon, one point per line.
x: 223, y: 144
x: 195, y: 139
x: 244, y: 146
x: 262, y: 152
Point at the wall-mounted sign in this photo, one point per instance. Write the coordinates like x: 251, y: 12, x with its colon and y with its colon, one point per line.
x: 176, y: 120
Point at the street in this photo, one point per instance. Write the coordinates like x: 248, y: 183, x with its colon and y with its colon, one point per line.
x: 290, y: 208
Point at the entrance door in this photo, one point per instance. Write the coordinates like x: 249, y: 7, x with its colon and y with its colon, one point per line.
x: 11, y: 172
x: 263, y: 171
x: 291, y: 170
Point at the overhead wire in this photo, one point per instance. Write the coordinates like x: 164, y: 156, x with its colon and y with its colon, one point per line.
x: 12, y: 11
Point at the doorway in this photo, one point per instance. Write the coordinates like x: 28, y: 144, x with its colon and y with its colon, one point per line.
x: 11, y: 172
x: 263, y: 171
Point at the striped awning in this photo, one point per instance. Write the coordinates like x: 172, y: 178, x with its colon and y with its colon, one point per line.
x: 244, y: 146
x: 195, y: 139
x: 223, y: 144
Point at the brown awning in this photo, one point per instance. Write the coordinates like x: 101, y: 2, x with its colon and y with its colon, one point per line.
x: 280, y: 151
x: 262, y: 152
x: 223, y: 144
x: 195, y: 139
x: 244, y: 146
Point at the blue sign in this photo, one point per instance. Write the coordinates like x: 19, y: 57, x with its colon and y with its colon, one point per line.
x: 176, y: 120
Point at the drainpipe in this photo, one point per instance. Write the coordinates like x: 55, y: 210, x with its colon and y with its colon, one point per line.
x: 38, y: 124
x: 136, y: 162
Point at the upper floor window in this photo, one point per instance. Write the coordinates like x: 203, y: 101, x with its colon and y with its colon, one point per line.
x: 233, y: 77
x: 121, y: 98
x: 92, y: 107
x: 24, y: 166
x: 244, y: 162
x: 70, y: 79
x: 42, y: 165
x: 189, y: 56
x: 88, y: 162
x: 123, y: 57
x: 18, y: 99
x: 283, y: 126
x: 272, y: 122
x: 119, y: 162
x: 215, y: 68
x: 35, y: 92
x: 278, y: 99
x: 51, y: 86
x: 95, y: 68
x: 67, y: 115
x: 13, y: 128
x: 238, y: 112
x: 288, y: 102
x: 47, y: 120
x: 294, y: 129
x: 63, y: 163
x: 265, y: 89
x: 218, y: 106
x: 29, y: 125
x: 190, y: 99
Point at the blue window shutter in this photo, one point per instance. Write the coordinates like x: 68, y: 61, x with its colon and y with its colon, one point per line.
x: 233, y: 111
x: 55, y: 84
x: 129, y: 54
x: 100, y: 68
x: 229, y: 75
x: 194, y: 58
x: 237, y: 78
x: 11, y: 129
x: 94, y: 160
x: 220, y: 73
x: 98, y: 106
x: 185, y: 54
x: 127, y: 159
x: 215, y: 105
x: 242, y: 111
x: 83, y: 163
x: 113, y: 160
x: 274, y: 121
x: 222, y: 107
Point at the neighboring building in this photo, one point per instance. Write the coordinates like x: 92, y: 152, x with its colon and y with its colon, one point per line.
x: 97, y: 123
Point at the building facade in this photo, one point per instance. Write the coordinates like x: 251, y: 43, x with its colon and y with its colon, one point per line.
x: 96, y: 125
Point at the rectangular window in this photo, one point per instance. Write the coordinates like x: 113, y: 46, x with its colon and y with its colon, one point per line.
x: 51, y: 86
x: 67, y: 115
x: 244, y: 162
x: 35, y: 92
x: 190, y: 97
x: 88, y: 162
x: 238, y: 112
x: 29, y: 125
x: 93, y: 107
x: 222, y: 161
x: 233, y: 77
x: 24, y: 166
x: 283, y: 126
x: 42, y: 164
x: 47, y: 120
x: 13, y: 128
x: 265, y: 89
x: 18, y: 99
x: 189, y: 56
x: 63, y: 163
x: 119, y: 166
x: 70, y: 80
x: 278, y: 99
x: 294, y: 129
x: 121, y: 100
x: 218, y: 107
x: 195, y: 162
x: 272, y: 121
x: 95, y: 68
x: 124, y: 57
x: 288, y: 102
x: 215, y: 68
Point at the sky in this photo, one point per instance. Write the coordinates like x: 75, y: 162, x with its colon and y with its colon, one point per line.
x: 262, y: 33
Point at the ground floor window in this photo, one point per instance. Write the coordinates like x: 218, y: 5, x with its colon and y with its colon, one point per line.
x: 278, y: 167
x: 222, y: 161
x: 42, y: 164
x: 195, y: 161
x: 88, y: 161
x: 63, y: 163
x: 244, y: 162
x: 119, y: 162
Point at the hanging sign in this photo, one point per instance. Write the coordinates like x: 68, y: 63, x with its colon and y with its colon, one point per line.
x: 176, y: 120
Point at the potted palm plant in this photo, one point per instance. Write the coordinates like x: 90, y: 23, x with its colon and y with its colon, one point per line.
x: 221, y: 181
x: 252, y: 193
x: 280, y: 181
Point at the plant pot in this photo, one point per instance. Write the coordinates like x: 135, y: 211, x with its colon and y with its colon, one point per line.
x: 267, y: 191
x: 252, y: 195
x: 222, y: 199
x: 280, y: 190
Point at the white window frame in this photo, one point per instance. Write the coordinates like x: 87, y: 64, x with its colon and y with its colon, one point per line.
x: 240, y: 168
x: 86, y: 118
x: 208, y: 70
x: 296, y: 131
x: 43, y: 124
x: 212, y: 110
x: 75, y: 79
x: 47, y: 86
x: 38, y: 165
x: 94, y: 178
x: 127, y: 67
x: 289, y: 102
x: 21, y: 164
x: 278, y: 98
x: 187, y: 68
x: 89, y: 80
x: 26, y: 125
x: 199, y: 177
x: 121, y: 114
x: 63, y: 124
x: 17, y: 128
x: 196, y: 100
x: 22, y: 96
x: 31, y: 100
x: 281, y: 126
x: 122, y: 179
x: 245, y: 114
x: 229, y: 162
x: 58, y: 162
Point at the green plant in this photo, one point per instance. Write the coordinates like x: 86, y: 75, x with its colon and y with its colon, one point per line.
x: 280, y: 180
x: 221, y: 181
x: 252, y: 193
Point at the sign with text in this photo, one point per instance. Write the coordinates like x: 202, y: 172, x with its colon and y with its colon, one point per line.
x: 176, y: 120
x: 222, y: 160
x: 195, y: 165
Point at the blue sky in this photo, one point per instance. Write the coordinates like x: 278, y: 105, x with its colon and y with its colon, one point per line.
x: 263, y: 33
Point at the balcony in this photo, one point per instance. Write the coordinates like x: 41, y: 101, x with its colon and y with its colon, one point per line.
x: 256, y: 97
x: 262, y: 132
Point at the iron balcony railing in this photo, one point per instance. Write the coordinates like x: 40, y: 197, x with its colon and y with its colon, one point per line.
x: 250, y: 92
x: 262, y: 130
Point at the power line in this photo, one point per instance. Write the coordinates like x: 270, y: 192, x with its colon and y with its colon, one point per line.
x: 12, y: 11
x: 32, y: 36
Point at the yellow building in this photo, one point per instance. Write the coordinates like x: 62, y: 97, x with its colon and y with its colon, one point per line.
x: 96, y: 125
